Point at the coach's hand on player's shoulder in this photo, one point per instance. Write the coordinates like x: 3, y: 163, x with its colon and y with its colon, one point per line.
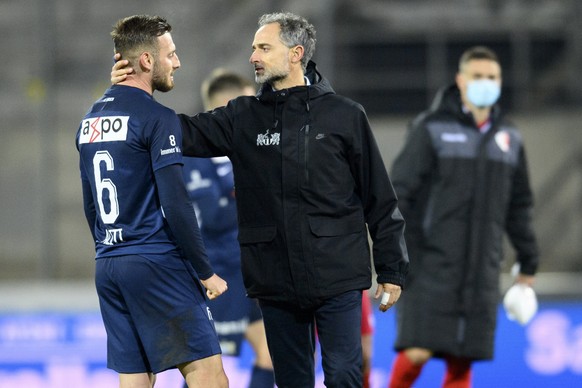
x: 215, y: 286
x: 390, y: 294
x: 119, y: 71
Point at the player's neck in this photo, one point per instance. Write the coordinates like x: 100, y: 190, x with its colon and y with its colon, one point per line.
x: 480, y: 115
x: 140, y: 83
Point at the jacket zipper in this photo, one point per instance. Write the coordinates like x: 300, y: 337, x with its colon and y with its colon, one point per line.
x: 306, y: 152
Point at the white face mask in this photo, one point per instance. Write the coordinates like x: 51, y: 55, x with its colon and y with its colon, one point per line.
x: 483, y: 92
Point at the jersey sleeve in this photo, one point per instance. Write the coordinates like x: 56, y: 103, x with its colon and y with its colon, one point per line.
x: 88, y: 202
x: 165, y: 140
x: 181, y: 218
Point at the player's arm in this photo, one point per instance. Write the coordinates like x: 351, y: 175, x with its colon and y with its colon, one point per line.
x: 382, y: 215
x: 89, y: 205
x: 518, y: 222
x: 182, y: 221
x: 413, y: 166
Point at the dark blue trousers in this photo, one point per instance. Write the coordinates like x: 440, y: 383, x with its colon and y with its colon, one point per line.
x: 291, y: 335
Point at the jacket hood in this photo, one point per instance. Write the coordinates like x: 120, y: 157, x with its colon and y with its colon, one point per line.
x: 319, y: 85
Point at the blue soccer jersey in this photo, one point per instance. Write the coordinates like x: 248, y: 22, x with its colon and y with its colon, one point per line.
x: 122, y: 140
x: 210, y: 185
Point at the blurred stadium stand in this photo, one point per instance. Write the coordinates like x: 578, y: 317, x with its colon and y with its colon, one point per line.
x: 391, y: 56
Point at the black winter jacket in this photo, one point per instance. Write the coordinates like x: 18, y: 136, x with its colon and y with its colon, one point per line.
x: 309, y: 178
x: 459, y: 191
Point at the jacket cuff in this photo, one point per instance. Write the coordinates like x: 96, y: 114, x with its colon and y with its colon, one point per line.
x: 392, y: 278
x: 528, y: 268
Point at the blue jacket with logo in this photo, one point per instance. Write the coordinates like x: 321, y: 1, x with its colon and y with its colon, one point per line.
x: 310, y: 182
x: 460, y: 191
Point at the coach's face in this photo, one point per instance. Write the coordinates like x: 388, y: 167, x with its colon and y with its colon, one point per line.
x: 270, y: 57
x: 166, y: 64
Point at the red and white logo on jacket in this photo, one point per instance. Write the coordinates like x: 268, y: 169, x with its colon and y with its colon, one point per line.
x: 502, y: 140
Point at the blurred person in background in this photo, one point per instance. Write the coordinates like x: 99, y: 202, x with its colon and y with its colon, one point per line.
x: 462, y: 181
x: 149, y: 261
x: 210, y: 184
x: 310, y: 182
x: 367, y: 338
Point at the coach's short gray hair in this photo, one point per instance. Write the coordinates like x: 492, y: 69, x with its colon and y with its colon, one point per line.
x: 295, y: 30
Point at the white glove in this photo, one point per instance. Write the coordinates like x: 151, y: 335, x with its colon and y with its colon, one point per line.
x: 520, y: 303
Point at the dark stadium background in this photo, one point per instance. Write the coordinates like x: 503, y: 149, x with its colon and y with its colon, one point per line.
x: 389, y: 55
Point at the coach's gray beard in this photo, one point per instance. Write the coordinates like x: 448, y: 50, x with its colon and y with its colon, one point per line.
x: 267, y: 78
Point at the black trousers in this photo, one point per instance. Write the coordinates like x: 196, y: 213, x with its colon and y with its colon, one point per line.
x: 291, y: 335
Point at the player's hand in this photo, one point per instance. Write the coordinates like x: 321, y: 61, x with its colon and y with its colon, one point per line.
x: 390, y: 294
x: 215, y: 286
x: 119, y: 71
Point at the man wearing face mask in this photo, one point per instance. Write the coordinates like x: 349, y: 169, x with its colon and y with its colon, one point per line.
x: 462, y: 181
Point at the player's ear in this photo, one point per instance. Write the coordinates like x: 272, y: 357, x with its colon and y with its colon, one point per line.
x: 146, y: 61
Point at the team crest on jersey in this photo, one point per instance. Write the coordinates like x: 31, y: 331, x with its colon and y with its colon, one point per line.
x: 103, y: 129
x: 266, y: 139
x: 502, y: 140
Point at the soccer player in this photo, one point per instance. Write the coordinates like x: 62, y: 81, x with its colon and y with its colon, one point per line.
x: 150, y: 259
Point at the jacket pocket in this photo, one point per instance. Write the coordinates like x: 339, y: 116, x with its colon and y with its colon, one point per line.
x: 260, y: 260
x: 329, y: 227
x: 258, y: 234
x: 339, y: 252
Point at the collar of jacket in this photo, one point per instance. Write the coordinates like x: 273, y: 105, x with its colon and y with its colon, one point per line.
x: 448, y: 99
x: 319, y: 86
